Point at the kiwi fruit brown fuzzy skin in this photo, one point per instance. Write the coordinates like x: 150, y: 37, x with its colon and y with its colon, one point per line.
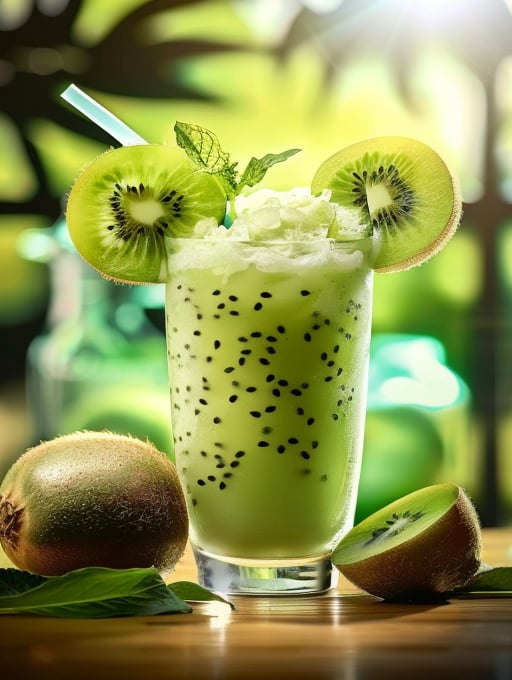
x: 92, y: 499
x: 445, y: 556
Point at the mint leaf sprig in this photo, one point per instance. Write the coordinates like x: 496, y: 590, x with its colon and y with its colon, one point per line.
x: 203, y: 147
x: 97, y: 592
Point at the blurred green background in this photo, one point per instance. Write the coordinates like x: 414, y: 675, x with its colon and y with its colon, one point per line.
x: 265, y: 75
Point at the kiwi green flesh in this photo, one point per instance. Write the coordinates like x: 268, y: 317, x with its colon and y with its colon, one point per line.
x: 404, y: 192
x: 128, y: 200
x: 396, y: 523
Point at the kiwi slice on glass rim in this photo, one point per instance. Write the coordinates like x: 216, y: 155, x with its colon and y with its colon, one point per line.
x: 424, y: 544
x: 124, y: 204
x: 405, y: 193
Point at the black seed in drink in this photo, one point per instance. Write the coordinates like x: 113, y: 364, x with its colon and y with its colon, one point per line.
x: 281, y: 329
x: 222, y: 485
x: 216, y: 344
x: 233, y: 298
x: 217, y: 420
x: 293, y: 440
x: 281, y: 448
x: 265, y: 294
x: 239, y: 454
x: 305, y: 293
x: 270, y: 409
x: 305, y: 455
x: 234, y: 464
x: 255, y: 414
x: 263, y: 444
x: 258, y: 306
x: 211, y: 478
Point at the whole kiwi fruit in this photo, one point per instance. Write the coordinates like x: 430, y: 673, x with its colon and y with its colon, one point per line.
x: 92, y: 499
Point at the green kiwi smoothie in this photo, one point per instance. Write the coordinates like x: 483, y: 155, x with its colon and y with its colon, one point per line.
x: 268, y: 333
x: 268, y: 315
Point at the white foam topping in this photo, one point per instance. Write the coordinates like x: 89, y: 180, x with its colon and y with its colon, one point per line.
x: 275, y: 231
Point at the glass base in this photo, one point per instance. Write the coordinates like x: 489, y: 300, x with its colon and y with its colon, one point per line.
x: 265, y: 577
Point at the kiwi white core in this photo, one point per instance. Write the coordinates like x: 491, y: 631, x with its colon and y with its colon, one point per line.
x: 378, y: 197
x: 146, y: 211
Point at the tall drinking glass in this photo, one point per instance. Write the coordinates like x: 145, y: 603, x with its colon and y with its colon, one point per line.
x: 268, y: 346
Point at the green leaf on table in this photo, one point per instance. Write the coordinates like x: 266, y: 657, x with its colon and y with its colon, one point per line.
x: 95, y: 592
x: 14, y: 581
x: 497, y: 580
x: 192, y: 592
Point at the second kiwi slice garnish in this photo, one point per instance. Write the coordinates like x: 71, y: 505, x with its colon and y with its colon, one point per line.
x: 404, y: 192
x: 129, y: 199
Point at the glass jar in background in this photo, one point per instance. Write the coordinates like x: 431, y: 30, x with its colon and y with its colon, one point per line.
x: 100, y: 363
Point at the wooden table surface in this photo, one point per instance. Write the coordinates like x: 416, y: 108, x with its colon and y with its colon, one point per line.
x: 341, y: 635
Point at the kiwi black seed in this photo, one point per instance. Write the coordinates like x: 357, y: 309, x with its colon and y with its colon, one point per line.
x: 420, y: 546
x: 404, y: 193
x: 124, y: 204
x: 92, y: 499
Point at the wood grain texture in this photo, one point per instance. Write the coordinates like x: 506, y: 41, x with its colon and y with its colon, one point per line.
x: 341, y: 635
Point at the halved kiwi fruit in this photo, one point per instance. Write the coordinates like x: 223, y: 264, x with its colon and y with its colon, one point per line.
x: 124, y: 204
x: 405, y: 194
x: 424, y: 544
